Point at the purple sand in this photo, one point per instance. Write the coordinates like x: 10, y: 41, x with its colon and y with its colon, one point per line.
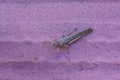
x: 25, y: 28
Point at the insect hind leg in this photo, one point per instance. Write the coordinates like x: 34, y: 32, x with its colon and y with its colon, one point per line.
x: 75, y: 29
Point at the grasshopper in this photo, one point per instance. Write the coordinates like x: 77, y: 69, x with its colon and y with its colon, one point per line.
x: 70, y: 38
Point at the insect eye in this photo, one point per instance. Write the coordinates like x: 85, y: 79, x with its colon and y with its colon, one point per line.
x: 55, y: 42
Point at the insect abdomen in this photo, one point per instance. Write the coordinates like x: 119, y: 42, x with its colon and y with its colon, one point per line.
x: 75, y: 37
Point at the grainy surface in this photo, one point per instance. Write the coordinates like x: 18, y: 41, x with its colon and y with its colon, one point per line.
x: 25, y: 28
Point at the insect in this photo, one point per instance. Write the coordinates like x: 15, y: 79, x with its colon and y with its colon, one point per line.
x: 70, y: 38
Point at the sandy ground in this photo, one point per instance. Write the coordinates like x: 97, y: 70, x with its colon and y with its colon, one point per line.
x: 26, y: 28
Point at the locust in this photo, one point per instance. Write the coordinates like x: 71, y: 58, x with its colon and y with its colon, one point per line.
x: 70, y: 38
